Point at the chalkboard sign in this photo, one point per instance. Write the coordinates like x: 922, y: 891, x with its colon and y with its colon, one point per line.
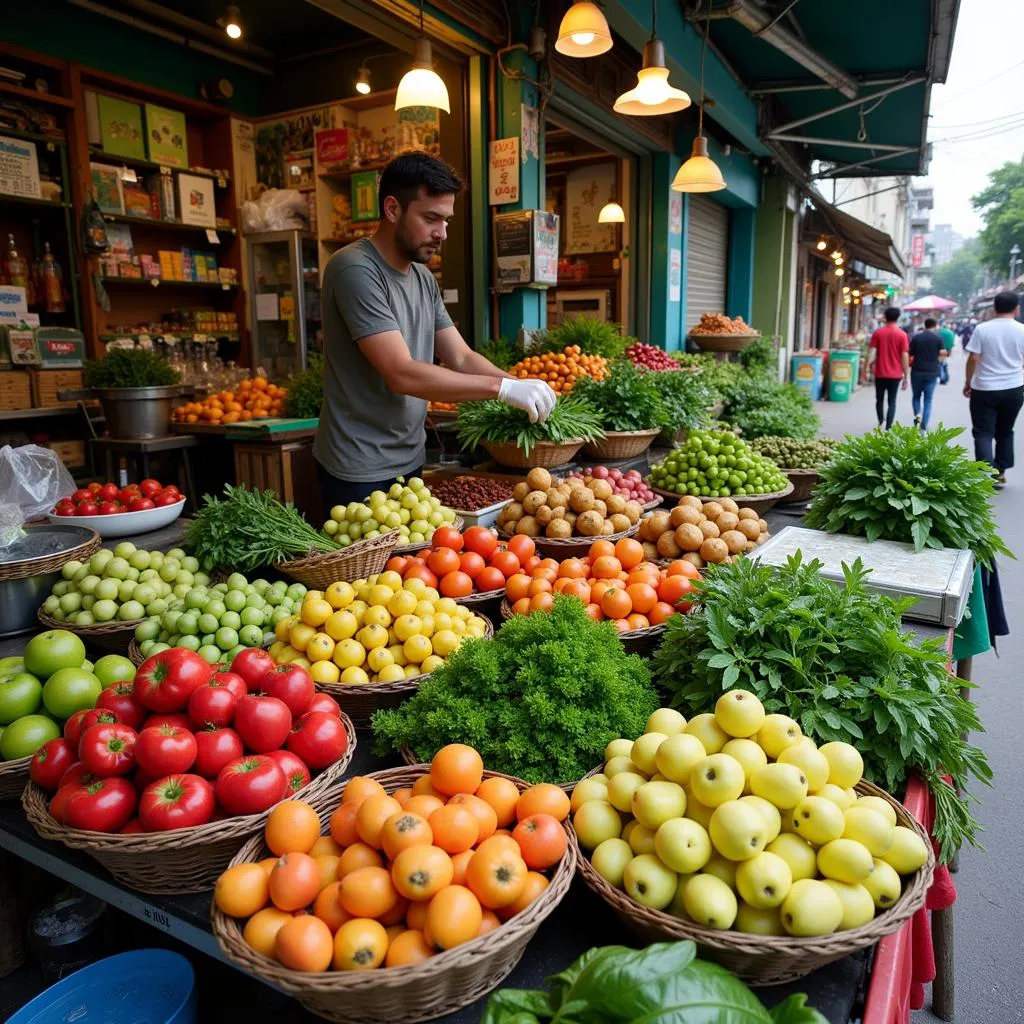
x: 526, y: 249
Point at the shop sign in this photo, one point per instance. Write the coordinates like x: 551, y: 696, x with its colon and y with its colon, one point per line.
x: 332, y: 147
x: 675, y: 275
x: 526, y: 249
x: 503, y: 174
x: 917, y: 250
x: 19, y: 168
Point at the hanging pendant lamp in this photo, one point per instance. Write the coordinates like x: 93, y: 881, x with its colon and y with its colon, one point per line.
x: 421, y: 85
x: 652, y: 95
x: 584, y: 31
x: 611, y: 213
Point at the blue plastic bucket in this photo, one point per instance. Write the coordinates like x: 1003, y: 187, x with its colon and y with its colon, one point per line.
x: 806, y: 373
x: 145, y: 986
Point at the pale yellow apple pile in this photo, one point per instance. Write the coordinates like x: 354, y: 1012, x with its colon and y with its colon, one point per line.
x: 737, y: 820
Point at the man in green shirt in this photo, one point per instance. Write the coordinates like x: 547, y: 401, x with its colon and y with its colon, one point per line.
x: 948, y: 339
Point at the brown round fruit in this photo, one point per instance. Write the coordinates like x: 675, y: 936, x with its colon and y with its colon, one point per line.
x: 556, y: 498
x: 634, y: 510
x: 692, y: 500
x: 650, y: 551
x: 714, y: 549
x: 521, y: 490
x: 728, y: 504
x: 620, y: 523
x: 686, y: 515
x: 712, y: 509
x: 667, y: 546
x: 558, y: 529
x: 528, y: 526
x: 543, y: 515
x: 749, y: 528
x: 582, y: 500
x: 734, y: 541
x: 763, y: 523
x: 689, y: 537
x: 748, y: 513
x: 514, y: 512
x: 606, y: 528
x: 616, y: 503
x: 539, y: 479
x: 709, y: 529
x: 602, y: 489
x: 727, y: 521
x: 533, y: 501
x: 693, y: 557
x: 659, y: 522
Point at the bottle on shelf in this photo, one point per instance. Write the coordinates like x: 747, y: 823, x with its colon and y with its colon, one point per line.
x: 53, y: 282
x: 16, y: 266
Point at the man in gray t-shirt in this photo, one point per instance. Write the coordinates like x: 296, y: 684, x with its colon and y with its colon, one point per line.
x: 384, y: 322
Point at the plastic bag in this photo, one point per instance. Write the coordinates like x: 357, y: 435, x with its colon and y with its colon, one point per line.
x: 32, y: 480
x: 277, y: 209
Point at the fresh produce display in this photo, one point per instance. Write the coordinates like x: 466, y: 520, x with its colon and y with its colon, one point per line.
x: 686, y: 398
x: 567, y: 508
x: 122, y: 584
x: 719, y: 323
x: 792, y: 453
x: 619, y: 985
x: 255, y: 399
x: 470, y: 493
x: 203, y: 744
x: 591, y: 337
x: 248, y: 530
x: 613, y: 581
x: 540, y: 700
x: 501, y: 352
x: 629, y: 485
x: 760, y: 406
x: 96, y: 499
x: 305, y: 392
x: 561, y: 369
x: 702, y: 532
x: 837, y: 660
x: 408, y: 507
x: 650, y: 357
x: 130, y: 368
x: 442, y: 406
x: 864, y: 491
x: 51, y: 680
x: 220, y: 621
x: 494, y: 422
x: 378, y: 630
x: 626, y: 398
x: 716, y: 464
x: 801, y: 854
x: 760, y: 356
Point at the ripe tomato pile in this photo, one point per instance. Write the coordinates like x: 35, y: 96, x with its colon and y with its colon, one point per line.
x: 108, y: 499
x: 186, y: 742
x: 613, y: 581
x: 401, y: 877
x: 459, y: 564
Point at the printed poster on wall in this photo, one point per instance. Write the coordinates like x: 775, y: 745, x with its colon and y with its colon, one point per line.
x: 530, y: 119
x: 587, y: 189
x: 675, y: 275
x: 503, y: 171
x: 19, y: 168
x: 675, y: 213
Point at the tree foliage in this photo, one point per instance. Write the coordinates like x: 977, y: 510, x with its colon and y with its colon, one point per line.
x: 1002, y: 206
x: 961, y: 277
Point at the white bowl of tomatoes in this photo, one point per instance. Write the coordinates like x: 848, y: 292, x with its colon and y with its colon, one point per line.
x: 114, y: 511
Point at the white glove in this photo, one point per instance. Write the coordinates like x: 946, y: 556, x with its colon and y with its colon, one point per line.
x: 534, y: 397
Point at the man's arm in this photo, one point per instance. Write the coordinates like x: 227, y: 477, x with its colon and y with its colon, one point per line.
x: 972, y: 365
x: 453, y: 351
x: 905, y: 360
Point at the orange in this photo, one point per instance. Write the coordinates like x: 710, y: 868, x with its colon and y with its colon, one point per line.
x: 579, y: 589
x: 539, y: 585
x: 486, y: 816
x: 453, y: 917
x: 295, y: 881
x: 343, y: 824
x: 615, y: 603
x: 629, y: 552
x: 660, y: 613
x: 454, y: 828
x: 396, y: 914
x: 675, y: 590
x: 326, y: 845
x: 541, y: 603
x: 359, y: 787
x: 503, y: 796
x: 329, y: 909
x: 520, y: 546
x: 606, y: 566
x: 304, y: 944
x: 459, y: 864
x: 242, y: 890
x: 517, y: 586
x: 522, y: 606
x: 402, y: 830
x: 367, y: 892
x: 601, y: 549
x: 496, y: 875
x: 456, y: 768
x: 292, y: 827
x: 359, y: 945
x: 358, y: 855
x: 443, y: 561
x: 328, y: 865
x: 267, y: 864
x: 544, y: 798
x: 416, y: 915
x: 373, y: 812
x: 424, y: 804
x: 536, y: 883
x: 489, y: 922
x: 594, y: 612
x: 421, y: 871
x: 410, y: 947
x: 637, y: 621
x: 261, y: 929
x: 424, y: 787
x: 573, y: 568
x: 642, y: 597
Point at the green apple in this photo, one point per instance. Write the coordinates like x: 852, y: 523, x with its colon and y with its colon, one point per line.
x: 106, y: 590
x: 768, y: 811
x: 759, y: 920
x: 113, y: 668
x: 618, y: 765
x: 764, y: 880
x: 682, y: 845
x: 594, y: 788
x: 640, y: 838
x: 838, y: 796
x: 14, y: 663
x: 610, y: 860
x: 858, y: 905
x: 678, y: 756
x: 25, y: 736
x: 595, y: 822
x: 717, y: 779
x: 777, y: 733
x: 797, y: 853
x: 908, y: 851
x: 104, y: 610
x: 645, y: 749
x: 818, y: 820
x: 69, y: 690
x: 52, y: 650
x: 710, y: 902
x: 739, y: 713
x: 883, y: 884
x: 811, y: 908
x: 708, y: 731
x: 810, y: 761
x: 99, y: 561
x: 649, y: 882
x: 20, y: 695
x: 667, y: 721
x: 69, y: 568
x: 870, y: 828
x: 876, y: 803
x: 695, y: 810
x: 784, y: 785
x: 845, y: 765
x: 721, y: 868
x: 737, y: 830
x: 621, y: 788
x: 656, y: 802
x: 125, y: 549
x: 845, y: 860
x: 749, y: 755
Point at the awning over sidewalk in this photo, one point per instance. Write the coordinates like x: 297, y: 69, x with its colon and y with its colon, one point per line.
x: 859, y: 240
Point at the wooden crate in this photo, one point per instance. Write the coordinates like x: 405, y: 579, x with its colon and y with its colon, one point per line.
x: 15, y: 390
x: 71, y: 453
x: 286, y: 468
x: 46, y: 384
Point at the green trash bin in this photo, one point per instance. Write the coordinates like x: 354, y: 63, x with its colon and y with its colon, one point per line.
x: 853, y: 358
x: 840, y: 375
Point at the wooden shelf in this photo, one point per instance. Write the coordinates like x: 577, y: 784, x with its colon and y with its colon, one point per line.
x: 165, y: 225
x: 47, y: 412
x: 181, y: 335
x: 150, y: 165
x: 163, y: 282
x: 15, y: 133
x: 31, y: 201
x: 35, y: 95
x: 342, y: 175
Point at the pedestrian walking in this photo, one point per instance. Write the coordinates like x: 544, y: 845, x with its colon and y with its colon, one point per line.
x: 995, y: 383
x: 945, y: 332
x: 966, y: 330
x: 889, y: 360
x: 927, y: 357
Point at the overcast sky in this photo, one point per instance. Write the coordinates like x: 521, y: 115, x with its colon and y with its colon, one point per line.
x: 977, y: 117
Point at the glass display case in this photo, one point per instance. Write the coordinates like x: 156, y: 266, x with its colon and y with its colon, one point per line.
x: 284, y: 289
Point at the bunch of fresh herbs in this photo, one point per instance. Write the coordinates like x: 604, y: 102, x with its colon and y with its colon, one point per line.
x: 306, y: 390
x: 760, y: 357
x: 130, y: 368
x: 539, y: 701
x: 837, y: 660
x: 627, y: 399
x: 912, y: 486
x: 594, y: 337
x: 501, y: 352
x: 686, y: 399
x: 760, y: 406
x: 494, y: 422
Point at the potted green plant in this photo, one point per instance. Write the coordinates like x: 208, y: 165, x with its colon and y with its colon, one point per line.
x: 136, y: 389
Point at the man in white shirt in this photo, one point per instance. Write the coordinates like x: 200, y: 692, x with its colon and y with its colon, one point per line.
x: 995, y: 383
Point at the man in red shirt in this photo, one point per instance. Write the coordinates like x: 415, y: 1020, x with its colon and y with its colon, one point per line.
x: 889, y: 357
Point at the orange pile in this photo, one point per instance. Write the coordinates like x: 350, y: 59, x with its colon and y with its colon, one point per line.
x: 401, y: 877
x: 561, y: 369
x: 613, y: 581
x: 442, y: 407
x: 255, y: 399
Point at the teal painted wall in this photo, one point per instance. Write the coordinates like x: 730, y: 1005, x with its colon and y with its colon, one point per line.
x: 666, y: 314
x: 739, y: 289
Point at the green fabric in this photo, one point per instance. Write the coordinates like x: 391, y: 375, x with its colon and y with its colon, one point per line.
x: 948, y: 338
x: 971, y: 635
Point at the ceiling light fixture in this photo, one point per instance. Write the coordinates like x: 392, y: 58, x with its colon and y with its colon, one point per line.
x: 835, y: 255
x: 584, y: 31
x: 611, y: 213
x: 840, y: 271
x: 700, y: 173
x: 822, y: 245
x: 363, y: 86
x: 652, y: 94
x: 421, y: 85
x: 231, y: 22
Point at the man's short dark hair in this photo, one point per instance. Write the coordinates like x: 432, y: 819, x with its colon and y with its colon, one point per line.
x: 1006, y: 302
x: 407, y: 174
x: 892, y: 314
x: 930, y: 323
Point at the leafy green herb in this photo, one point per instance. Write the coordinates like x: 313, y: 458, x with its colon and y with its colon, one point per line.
x: 502, y: 352
x: 540, y: 700
x: 306, y: 390
x: 912, y: 486
x: 838, y: 661
x: 664, y: 982
x: 760, y: 356
x: 129, y: 368
x: 686, y: 399
x: 497, y: 423
x: 627, y: 399
x: 760, y: 406
x: 594, y: 337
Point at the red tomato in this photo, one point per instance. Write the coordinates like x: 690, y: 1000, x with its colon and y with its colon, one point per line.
x: 252, y: 665
x: 446, y: 537
x: 250, y: 784
x: 82, y: 494
x: 319, y: 739
x: 107, y: 750
x: 456, y: 584
x: 490, y: 579
x: 421, y: 572
x: 167, y: 750
x: 109, y: 492
x: 291, y: 684
x: 397, y: 563
x: 140, y: 505
x: 74, y: 774
x: 541, y: 840
x: 178, y: 801
x: 522, y: 547
x: 231, y: 680
x: 212, y: 704
x: 325, y: 702
x: 50, y: 762
x: 480, y: 540
x: 99, y: 805
x: 170, y: 489
x: 471, y: 564
x: 295, y: 771
x: 119, y: 699
x: 165, y: 682
x: 176, y: 720
x: 128, y: 494
x: 131, y: 828
x: 149, y: 487
x: 262, y: 722
x: 214, y: 749
x: 163, y: 499
x: 110, y: 508
x: 81, y: 720
x: 443, y: 561
x: 506, y: 562
x: 88, y: 508
x: 65, y: 508
x: 531, y: 563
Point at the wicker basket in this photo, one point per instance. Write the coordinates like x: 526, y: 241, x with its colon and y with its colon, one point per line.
x: 183, y: 860
x: 111, y: 636
x: 620, y: 445
x: 571, y: 547
x: 14, y: 777
x: 359, y: 560
x: 804, y: 481
x: 650, y: 506
x: 544, y: 454
x: 401, y: 995
x: 25, y: 567
x: 773, y: 960
x: 760, y: 503
x: 411, y: 549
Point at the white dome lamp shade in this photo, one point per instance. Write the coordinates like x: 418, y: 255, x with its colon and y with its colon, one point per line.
x: 611, y: 213
x: 584, y: 31
x: 421, y: 85
x: 652, y: 94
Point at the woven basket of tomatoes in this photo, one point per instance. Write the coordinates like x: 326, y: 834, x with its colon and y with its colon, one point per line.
x: 427, y: 908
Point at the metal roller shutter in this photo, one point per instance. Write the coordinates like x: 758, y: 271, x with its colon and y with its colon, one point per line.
x: 707, y: 243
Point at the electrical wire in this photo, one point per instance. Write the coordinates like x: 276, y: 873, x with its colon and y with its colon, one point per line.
x: 976, y: 124
x: 950, y: 99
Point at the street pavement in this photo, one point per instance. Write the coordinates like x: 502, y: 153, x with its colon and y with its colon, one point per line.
x: 989, y: 913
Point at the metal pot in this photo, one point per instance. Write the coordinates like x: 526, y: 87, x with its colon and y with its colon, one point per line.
x: 138, y: 412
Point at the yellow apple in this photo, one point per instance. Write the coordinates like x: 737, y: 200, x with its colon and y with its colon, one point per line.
x: 758, y: 920
x: 589, y: 789
x: 710, y: 902
x: 908, y: 851
x: 797, y: 853
x: 870, y: 828
x: 716, y: 779
x: 858, y: 906
x: 837, y: 795
x: 845, y: 765
x: 666, y: 720
x: 610, y: 860
x: 777, y: 733
x: 678, y: 756
x: 810, y: 761
x: 749, y: 755
x: 618, y: 748
x: 845, y: 860
x: 811, y: 908
x: 656, y: 802
x: 621, y: 788
x: 708, y: 731
x: 644, y: 750
x: 595, y: 822
x: 682, y: 845
x: 818, y: 820
x: 737, y: 830
x: 876, y: 803
x: 764, y: 880
x: 739, y: 713
x: 783, y: 785
x: 649, y: 882
x: 883, y: 883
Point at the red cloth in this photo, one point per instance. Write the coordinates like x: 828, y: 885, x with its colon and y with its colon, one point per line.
x: 890, y: 343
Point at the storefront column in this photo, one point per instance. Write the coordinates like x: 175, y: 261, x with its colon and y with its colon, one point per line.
x: 666, y: 329
x: 740, y: 284
x: 773, y: 306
